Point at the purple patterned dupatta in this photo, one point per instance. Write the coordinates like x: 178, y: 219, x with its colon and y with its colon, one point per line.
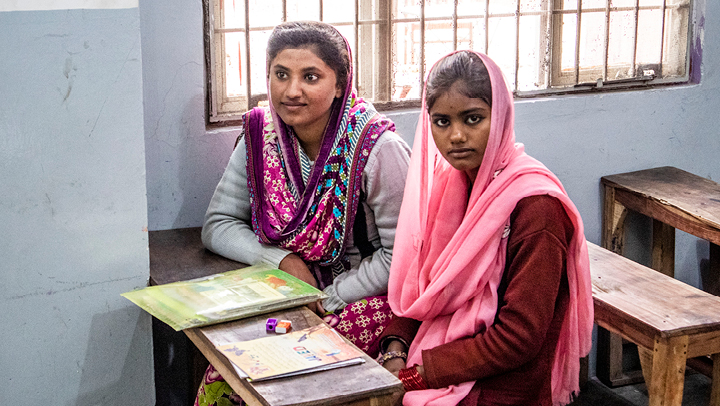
x: 313, y: 220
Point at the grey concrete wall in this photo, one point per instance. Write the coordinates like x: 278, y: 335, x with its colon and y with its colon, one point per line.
x: 73, y: 211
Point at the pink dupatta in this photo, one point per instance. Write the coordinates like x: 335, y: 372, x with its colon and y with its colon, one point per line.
x: 450, y: 253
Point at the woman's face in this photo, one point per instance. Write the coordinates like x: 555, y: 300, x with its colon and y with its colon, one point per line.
x: 461, y: 128
x: 302, y: 89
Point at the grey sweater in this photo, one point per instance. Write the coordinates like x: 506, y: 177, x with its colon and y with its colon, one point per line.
x: 227, y: 230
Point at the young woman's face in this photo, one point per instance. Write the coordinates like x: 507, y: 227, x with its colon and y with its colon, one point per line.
x: 302, y: 89
x: 461, y: 128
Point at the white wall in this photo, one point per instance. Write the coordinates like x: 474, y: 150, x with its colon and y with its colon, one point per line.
x: 73, y: 209
x: 580, y: 138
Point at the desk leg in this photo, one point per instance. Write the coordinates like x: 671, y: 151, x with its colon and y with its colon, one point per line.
x: 715, y: 391
x: 665, y: 376
x: 613, y: 218
x: 663, y: 248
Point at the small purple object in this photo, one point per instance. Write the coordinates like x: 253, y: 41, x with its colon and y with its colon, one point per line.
x: 270, y: 325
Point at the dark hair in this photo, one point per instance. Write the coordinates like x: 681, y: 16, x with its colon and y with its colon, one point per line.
x: 465, y: 67
x: 322, y: 39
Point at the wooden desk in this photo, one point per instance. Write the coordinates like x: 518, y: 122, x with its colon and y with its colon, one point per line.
x: 179, y: 255
x: 672, y: 198
x: 364, y: 384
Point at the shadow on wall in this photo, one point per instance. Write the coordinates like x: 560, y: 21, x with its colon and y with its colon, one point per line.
x: 119, y: 336
x: 200, y: 166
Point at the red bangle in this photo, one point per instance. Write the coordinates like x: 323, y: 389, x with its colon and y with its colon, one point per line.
x: 411, y: 379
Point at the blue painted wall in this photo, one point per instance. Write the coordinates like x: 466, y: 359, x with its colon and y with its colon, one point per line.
x: 73, y: 211
x: 581, y: 138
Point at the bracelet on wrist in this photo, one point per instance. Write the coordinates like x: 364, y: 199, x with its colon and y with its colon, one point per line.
x: 383, y: 358
x: 411, y: 379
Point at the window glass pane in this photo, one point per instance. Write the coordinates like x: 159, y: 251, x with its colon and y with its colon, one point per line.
x: 620, y: 44
x: 258, y: 45
x: 675, y: 52
x: 531, y: 67
x: 471, y: 7
x: 438, y: 41
x: 438, y: 8
x: 501, y: 47
x: 655, y: 3
x: 592, y: 44
x: 622, y: 3
x: 569, y: 33
x: 233, y: 13
x: 471, y: 34
x: 649, y: 34
x: 235, y: 64
x: 303, y: 10
x: 569, y: 4
x: 348, y: 32
x: 406, y: 9
x: 265, y: 13
x: 503, y: 7
x: 595, y: 4
x: 333, y: 13
x: 406, y: 61
x: 533, y: 5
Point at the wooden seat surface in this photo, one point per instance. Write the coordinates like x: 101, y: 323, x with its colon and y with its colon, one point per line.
x: 646, y: 303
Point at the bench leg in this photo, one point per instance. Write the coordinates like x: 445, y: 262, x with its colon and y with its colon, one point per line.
x: 613, y: 219
x: 664, y: 370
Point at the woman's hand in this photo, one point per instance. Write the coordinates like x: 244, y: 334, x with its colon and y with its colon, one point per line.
x: 395, y: 365
x: 295, y: 266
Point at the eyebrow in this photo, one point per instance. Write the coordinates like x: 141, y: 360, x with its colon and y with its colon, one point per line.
x: 311, y: 69
x: 477, y: 110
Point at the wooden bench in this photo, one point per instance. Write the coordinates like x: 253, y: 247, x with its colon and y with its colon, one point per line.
x: 669, y: 320
x: 673, y: 199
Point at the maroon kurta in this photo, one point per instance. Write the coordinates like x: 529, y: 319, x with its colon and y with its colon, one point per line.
x: 512, y: 361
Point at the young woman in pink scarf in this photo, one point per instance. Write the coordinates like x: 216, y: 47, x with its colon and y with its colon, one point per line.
x: 490, y: 278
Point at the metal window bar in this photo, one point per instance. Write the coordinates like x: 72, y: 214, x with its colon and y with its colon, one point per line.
x: 635, y: 40
x: 517, y: 45
x: 455, y: 24
x: 248, y: 80
x: 606, y: 45
x: 662, y: 38
x: 577, y: 41
x: 487, y: 23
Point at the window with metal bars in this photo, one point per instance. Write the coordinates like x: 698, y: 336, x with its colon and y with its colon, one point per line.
x: 543, y: 46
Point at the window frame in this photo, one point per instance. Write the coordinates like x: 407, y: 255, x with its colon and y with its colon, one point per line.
x: 224, y: 110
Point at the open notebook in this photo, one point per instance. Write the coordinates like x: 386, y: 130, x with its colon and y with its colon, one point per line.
x: 313, y: 349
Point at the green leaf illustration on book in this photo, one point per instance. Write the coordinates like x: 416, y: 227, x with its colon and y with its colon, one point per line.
x: 223, y: 297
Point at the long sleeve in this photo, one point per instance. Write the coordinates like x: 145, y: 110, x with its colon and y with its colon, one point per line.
x: 520, y: 343
x: 227, y: 229
x: 383, y: 184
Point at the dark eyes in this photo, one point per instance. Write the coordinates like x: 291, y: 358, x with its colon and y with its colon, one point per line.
x: 309, y: 77
x: 472, y: 119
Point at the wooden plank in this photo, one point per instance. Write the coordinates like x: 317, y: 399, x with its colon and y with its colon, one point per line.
x: 687, y: 202
x: 179, y: 255
x: 356, y: 383
x: 613, y: 229
x: 638, y: 296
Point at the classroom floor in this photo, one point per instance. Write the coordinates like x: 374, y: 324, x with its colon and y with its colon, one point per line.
x: 696, y: 393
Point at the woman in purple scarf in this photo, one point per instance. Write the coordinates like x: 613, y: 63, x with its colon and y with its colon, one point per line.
x: 314, y: 188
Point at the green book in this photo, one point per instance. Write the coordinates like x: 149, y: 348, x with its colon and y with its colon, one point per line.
x: 223, y: 297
